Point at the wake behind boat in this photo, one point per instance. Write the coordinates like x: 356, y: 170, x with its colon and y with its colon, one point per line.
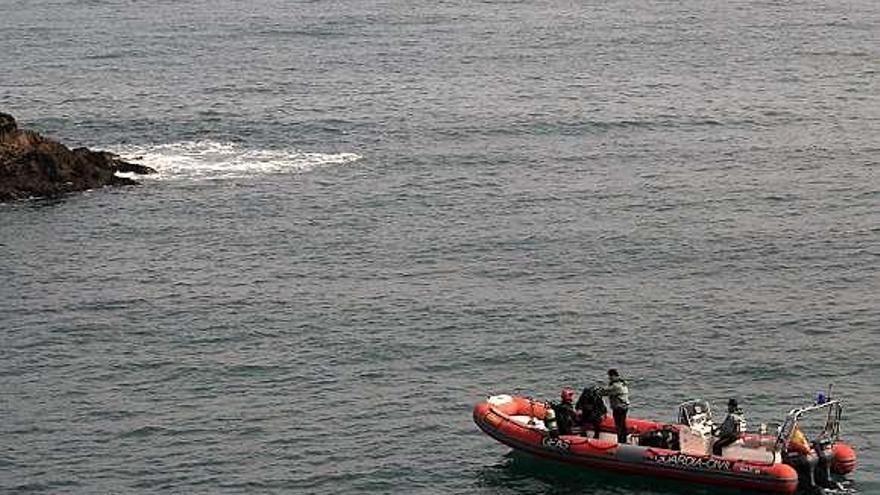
x: 681, y: 450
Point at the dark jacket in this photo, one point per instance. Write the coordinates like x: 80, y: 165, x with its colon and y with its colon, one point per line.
x: 565, y: 417
x: 732, y: 425
x: 591, y: 405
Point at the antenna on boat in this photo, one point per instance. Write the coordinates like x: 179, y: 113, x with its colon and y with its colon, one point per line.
x: 829, y: 420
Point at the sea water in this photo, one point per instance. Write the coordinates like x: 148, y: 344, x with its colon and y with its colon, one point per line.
x: 369, y: 215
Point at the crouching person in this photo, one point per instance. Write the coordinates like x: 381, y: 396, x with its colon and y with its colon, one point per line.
x: 592, y: 409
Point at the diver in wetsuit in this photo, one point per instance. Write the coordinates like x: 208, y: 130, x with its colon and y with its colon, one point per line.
x: 565, y: 413
x: 592, y: 409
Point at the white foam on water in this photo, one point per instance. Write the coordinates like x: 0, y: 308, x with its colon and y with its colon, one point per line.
x: 205, y: 160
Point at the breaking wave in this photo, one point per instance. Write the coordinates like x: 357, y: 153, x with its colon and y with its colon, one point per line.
x: 200, y: 160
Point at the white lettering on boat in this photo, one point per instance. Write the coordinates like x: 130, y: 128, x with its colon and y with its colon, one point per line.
x: 556, y: 444
x: 689, y: 461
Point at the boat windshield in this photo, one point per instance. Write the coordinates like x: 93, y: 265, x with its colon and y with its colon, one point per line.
x: 695, y: 413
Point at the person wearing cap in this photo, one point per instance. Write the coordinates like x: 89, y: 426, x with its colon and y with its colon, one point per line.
x: 618, y: 398
x: 730, y: 429
x: 566, y: 416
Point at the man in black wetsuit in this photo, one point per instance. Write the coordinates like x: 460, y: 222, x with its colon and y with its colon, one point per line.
x: 592, y: 409
x: 565, y: 414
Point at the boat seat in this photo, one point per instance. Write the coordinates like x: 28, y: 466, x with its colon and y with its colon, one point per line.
x: 529, y: 421
x: 692, y: 442
x: 538, y: 424
x: 606, y: 436
x: 739, y: 451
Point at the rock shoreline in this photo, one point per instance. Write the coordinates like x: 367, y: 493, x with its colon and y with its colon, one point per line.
x: 35, y: 166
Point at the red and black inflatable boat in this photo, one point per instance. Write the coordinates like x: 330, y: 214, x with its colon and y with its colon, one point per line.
x: 753, y: 462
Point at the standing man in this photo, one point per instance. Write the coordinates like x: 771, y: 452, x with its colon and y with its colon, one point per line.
x: 618, y: 398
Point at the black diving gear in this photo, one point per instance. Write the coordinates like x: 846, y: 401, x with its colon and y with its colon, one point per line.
x: 592, y: 409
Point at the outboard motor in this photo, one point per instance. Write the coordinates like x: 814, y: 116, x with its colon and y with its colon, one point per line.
x: 805, y: 465
x: 813, y: 460
x: 822, y: 471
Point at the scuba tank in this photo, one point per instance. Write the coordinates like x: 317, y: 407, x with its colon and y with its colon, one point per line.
x: 550, y: 421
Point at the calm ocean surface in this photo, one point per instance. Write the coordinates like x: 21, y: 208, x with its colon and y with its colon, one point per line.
x: 371, y: 214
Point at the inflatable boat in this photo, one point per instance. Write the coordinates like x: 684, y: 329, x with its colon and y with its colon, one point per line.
x: 680, y: 451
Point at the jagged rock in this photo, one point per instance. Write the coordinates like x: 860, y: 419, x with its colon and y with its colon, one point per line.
x: 7, y: 123
x: 32, y: 165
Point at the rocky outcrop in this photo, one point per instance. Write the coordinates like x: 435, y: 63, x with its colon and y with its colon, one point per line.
x: 34, y: 166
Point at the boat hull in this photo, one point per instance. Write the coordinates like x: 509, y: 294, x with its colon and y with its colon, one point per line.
x: 494, y: 417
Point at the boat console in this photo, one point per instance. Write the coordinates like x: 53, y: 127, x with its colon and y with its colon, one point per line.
x: 696, y: 437
x: 697, y: 415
